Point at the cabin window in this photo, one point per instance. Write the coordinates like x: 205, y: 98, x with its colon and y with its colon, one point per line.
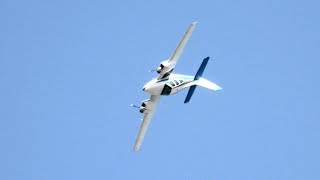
x: 180, y: 81
x: 176, y: 82
x: 171, y: 83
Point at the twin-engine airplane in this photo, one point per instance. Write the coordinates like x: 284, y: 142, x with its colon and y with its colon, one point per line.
x: 168, y: 83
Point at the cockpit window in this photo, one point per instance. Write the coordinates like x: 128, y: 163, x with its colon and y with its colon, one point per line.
x: 180, y: 81
x: 166, y: 90
x: 176, y: 82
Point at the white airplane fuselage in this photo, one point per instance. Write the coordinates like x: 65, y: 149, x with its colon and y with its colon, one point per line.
x: 166, y: 83
x: 167, y: 86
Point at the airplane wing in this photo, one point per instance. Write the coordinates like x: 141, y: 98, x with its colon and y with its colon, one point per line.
x: 151, y: 108
x: 176, y: 55
x: 178, y: 51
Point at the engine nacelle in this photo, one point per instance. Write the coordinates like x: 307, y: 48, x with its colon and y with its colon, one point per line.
x: 164, y: 66
x: 160, y: 68
x: 143, y: 106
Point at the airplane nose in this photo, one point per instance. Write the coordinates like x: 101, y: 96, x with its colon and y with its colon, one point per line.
x: 144, y: 88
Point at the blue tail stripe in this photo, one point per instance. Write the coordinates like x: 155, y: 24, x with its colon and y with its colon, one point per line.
x: 196, y: 77
x: 201, y: 68
x: 190, y: 92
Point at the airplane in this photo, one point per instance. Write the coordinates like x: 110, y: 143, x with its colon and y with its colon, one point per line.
x: 168, y: 83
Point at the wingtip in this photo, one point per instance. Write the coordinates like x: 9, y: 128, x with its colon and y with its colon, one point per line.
x: 219, y: 88
x: 135, y: 149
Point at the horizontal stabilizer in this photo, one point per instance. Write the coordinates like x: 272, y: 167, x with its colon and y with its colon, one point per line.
x: 196, y: 77
x: 208, y: 84
x: 198, y: 80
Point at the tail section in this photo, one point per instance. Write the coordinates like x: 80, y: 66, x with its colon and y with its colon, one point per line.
x: 208, y: 84
x: 190, y: 92
x: 201, y: 68
x: 196, y: 77
x: 201, y: 81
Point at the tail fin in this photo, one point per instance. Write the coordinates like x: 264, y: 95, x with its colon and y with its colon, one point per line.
x: 190, y: 92
x: 196, y: 77
x: 201, y: 68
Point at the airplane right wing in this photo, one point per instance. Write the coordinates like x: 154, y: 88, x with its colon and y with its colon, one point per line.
x: 151, y: 108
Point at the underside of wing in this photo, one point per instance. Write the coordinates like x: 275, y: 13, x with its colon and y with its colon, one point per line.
x: 178, y: 51
x: 150, y: 109
x: 166, y: 67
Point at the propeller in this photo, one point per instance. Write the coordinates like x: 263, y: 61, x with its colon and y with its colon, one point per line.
x: 135, y: 106
x: 152, y: 70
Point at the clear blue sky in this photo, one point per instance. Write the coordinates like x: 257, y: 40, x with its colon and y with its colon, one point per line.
x: 70, y: 69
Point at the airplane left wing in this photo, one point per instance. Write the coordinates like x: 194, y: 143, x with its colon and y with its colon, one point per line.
x: 167, y: 67
x: 178, y: 51
x: 150, y: 109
